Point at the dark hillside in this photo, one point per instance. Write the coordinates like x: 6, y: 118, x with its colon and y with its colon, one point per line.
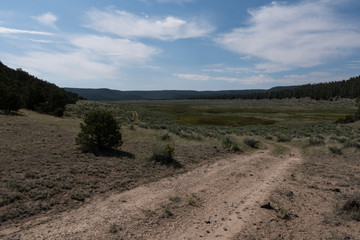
x: 19, y: 89
x: 116, y: 95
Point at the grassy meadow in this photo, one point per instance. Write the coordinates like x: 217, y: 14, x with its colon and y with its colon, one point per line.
x: 42, y: 170
x: 214, y: 118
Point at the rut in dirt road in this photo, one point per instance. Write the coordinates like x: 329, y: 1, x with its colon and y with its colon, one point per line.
x: 214, y: 202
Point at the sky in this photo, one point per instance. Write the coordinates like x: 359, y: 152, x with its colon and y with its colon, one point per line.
x: 182, y: 44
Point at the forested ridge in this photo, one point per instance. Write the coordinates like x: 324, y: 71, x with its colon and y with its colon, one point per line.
x: 19, y: 89
x: 325, y: 91
x: 322, y: 91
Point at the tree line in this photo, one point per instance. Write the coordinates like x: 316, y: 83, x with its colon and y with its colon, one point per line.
x: 19, y: 89
x: 322, y: 91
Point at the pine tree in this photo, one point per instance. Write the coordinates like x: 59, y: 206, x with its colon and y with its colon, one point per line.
x: 10, y: 99
x: 100, y: 132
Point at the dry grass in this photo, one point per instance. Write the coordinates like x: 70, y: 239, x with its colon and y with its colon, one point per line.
x: 41, y: 169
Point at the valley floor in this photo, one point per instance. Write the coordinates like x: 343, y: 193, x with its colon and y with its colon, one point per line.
x: 221, y: 200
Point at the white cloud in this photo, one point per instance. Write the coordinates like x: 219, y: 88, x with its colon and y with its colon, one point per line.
x: 128, y: 25
x: 232, y: 70
x: 120, y: 51
x: 272, y: 67
x: 216, y: 70
x: 313, y: 77
x: 47, y: 19
x: 255, y: 79
x: 258, y: 79
x: 174, y: 1
x: 84, y: 58
x: 289, y: 36
x: 194, y: 77
x: 63, y: 66
x: 6, y: 31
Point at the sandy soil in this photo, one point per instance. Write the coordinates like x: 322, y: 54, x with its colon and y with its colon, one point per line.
x: 216, y: 201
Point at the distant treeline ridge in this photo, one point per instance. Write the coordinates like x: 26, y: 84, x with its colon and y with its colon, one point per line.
x: 322, y: 91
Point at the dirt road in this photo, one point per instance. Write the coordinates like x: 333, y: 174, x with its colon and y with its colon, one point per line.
x: 211, y: 202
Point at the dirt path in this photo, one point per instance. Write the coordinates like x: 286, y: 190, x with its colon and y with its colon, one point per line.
x: 211, y: 202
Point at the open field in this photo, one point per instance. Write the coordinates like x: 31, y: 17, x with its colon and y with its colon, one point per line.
x: 294, y: 155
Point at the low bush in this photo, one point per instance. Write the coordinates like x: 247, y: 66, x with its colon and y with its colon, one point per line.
x: 174, y: 129
x: 230, y: 142
x: 115, y: 228
x: 335, y: 150
x: 251, y: 142
x: 316, y: 141
x: 164, y: 136
x: 165, y: 155
x: 78, y: 196
x: 168, y: 212
x: 283, y: 214
x: 284, y: 138
x: 269, y: 137
x: 352, y: 143
x: 191, y: 136
x: 352, y: 207
x: 348, y: 119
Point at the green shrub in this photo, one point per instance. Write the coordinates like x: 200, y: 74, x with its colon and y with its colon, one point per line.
x: 100, y: 132
x: 352, y: 206
x: 168, y: 212
x: 251, y: 142
x: 175, y: 199
x: 341, y: 140
x: 191, y: 136
x: 164, y: 154
x: 316, y: 141
x: 283, y: 214
x: 284, y: 138
x: 352, y: 143
x: 115, y: 228
x: 164, y: 136
x: 335, y: 150
x: 230, y: 142
x: 174, y: 129
x: 269, y: 137
x: 78, y: 196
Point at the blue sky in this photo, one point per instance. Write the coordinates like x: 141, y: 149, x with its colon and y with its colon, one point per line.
x: 182, y: 44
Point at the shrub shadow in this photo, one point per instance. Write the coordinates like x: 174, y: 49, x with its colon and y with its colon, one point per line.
x: 115, y: 153
x: 4, y: 113
x: 167, y: 162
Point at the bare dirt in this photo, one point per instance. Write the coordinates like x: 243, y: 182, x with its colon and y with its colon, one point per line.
x: 215, y: 201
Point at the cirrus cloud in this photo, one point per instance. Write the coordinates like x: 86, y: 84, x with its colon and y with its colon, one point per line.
x: 7, y: 31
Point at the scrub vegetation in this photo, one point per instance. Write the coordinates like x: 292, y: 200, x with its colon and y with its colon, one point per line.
x: 42, y: 169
